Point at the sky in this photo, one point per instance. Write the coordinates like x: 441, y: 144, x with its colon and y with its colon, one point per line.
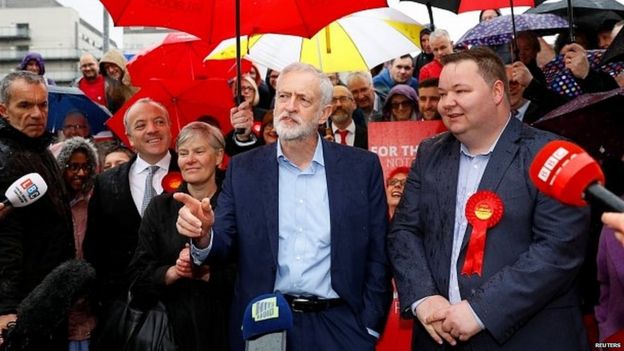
x: 457, y: 25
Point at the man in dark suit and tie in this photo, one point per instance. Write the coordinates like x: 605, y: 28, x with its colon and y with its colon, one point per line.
x: 122, y: 193
x: 518, y: 292
x: 345, y: 130
x: 305, y: 217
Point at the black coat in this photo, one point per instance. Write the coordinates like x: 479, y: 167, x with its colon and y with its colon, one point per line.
x: 112, y: 229
x: 37, y: 238
x: 197, y: 310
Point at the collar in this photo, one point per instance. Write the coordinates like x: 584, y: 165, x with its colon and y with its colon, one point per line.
x: 464, y: 149
x: 316, y: 158
x: 350, y: 127
x: 140, y: 164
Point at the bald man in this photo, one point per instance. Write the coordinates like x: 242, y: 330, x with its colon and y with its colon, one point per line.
x: 91, y: 82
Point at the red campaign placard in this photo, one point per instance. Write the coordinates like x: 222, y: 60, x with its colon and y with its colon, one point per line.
x: 396, y: 143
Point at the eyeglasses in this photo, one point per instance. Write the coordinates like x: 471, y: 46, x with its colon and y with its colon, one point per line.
x: 395, y: 182
x: 342, y: 99
x: 74, y: 126
x: 402, y: 104
x: 247, y: 88
x: 75, y: 167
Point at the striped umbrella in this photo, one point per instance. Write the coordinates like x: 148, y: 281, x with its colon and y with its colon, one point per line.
x: 356, y: 42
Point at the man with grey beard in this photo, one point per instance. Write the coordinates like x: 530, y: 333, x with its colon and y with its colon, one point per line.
x: 344, y: 130
x: 305, y: 217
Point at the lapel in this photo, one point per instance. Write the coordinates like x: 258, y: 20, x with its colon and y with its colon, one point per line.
x: 446, y: 174
x: 268, y: 171
x: 501, y: 158
x: 333, y: 171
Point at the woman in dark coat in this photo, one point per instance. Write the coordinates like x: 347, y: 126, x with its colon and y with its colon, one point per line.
x: 197, y: 307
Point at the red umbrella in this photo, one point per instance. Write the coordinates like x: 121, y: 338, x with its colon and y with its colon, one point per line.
x: 186, y: 101
x: 180, y: 56
x: 214, y: 20
x: 459, y: 6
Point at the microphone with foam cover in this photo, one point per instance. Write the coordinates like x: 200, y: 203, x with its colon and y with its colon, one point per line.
x: 564, y: 171
x: 26, y: 190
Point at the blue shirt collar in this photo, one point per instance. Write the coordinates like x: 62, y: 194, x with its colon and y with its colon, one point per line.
x: 316, y: 158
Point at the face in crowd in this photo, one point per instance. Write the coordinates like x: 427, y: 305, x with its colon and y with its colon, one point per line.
x: 27, y: 107
x: 401, y: 70
x: 342, y: 105
x: 441, y: 46
x: 428, y: 98
x: 89, y: 67
x: 198, y: 157
x: 363, y: 93
x: 113, y: 71
x: 395, y: 185
x: 75, y: 124
x: 115, y: 158
x: 402, y: 108
x: 298, y: 106
x: 148, y: 129
x: 77, y: 171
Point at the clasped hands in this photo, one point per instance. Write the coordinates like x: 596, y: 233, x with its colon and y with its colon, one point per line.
x: 446, y: 322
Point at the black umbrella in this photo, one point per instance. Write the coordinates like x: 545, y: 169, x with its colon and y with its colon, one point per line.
x: 590, y: 13
x: 459, y: 6
x: 615, y: 51
x: 594, y: 121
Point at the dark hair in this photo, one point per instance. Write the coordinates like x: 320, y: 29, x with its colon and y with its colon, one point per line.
x: 490, y: 65
x: 403, y: 57
x: 429, y: 83
x: 498, y: 13
x: 532, y: 38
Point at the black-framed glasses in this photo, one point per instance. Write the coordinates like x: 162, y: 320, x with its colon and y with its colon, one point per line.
x: 342, y: 99
x: 75, y: 167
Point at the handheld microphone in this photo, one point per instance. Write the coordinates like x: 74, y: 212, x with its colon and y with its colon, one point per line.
x: 266, y: 320
x: 26, y: 190
x: 564, y: 171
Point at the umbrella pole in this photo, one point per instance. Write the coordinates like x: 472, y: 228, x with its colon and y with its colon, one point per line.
x: 514, y: 42
x: 571, y: 21
x: 430, y: 10
x: 239, y: 75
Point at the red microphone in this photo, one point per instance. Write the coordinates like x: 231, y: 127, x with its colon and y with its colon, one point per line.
x: 564, y: 171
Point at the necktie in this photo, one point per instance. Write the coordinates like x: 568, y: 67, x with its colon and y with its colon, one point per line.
x: 149, y: 192
x: 515, y: 113
x: 343, y: 136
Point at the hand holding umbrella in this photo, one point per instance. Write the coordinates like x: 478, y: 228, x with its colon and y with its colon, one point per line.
x: 575, y: 59
x: 241, y: 117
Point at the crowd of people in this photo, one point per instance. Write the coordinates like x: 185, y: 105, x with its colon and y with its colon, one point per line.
x: 304, y: 209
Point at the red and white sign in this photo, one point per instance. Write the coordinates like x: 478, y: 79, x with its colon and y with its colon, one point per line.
x: 396, y: 143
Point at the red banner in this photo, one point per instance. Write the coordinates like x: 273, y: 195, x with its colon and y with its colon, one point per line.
x: 396, y: 143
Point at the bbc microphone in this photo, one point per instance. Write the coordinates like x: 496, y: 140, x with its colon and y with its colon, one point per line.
x: 564, y: 171
x: 266, y: 321
x: 26, y: 190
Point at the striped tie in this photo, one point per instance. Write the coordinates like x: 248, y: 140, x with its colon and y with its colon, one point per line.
x: 149, y: 192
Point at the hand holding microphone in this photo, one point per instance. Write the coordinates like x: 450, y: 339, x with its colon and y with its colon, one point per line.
x: 564, y: 171
x: 23, y: 192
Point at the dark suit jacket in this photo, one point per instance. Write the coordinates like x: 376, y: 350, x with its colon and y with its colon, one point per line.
x: 361, y: 137
x: 246, y: 225
x: 112, y: 228
x: 526, y: 296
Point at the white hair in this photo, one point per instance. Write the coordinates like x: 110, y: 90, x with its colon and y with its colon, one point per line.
x: 327, y: 88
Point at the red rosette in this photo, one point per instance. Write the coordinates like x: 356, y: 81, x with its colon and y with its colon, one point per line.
x: 172, y: 181
x: 484, y: 210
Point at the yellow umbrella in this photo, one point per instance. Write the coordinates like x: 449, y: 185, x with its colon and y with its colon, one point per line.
x: 356, y: 42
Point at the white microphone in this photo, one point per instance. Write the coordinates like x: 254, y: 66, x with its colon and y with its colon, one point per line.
x: 26, y: 190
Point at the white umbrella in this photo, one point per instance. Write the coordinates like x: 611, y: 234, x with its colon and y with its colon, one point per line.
x: 357, y: 42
